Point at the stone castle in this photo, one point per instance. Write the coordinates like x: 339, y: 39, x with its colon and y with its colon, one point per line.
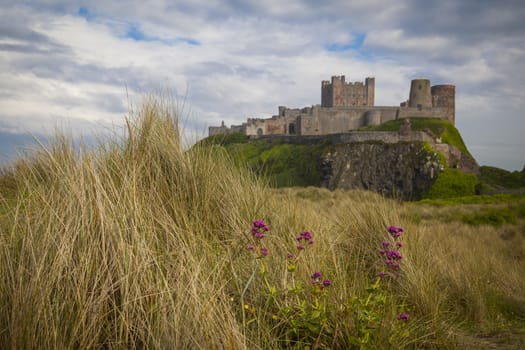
x: 350, y: 106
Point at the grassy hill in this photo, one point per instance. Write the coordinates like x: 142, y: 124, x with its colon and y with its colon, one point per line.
x: 141, y: 244
x: 500, y: 179
x: 285, y: 165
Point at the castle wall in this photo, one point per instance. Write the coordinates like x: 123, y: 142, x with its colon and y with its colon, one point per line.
x: 409, y: 112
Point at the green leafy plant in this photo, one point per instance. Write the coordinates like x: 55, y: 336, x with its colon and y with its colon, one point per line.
x: 299, y: 310
x: 370, y: 310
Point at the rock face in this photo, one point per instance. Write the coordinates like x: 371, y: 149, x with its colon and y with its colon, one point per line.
x: 402, y: 170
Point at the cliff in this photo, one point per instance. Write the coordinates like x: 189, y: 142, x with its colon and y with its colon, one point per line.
x: 406, y: 170
x: 400, y: 160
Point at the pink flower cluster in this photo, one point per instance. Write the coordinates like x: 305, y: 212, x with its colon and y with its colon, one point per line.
x: 395, y: 231
x: 316, y: 280
x: 307, y: 237
x: 259, y: 229
x: 392, y: 256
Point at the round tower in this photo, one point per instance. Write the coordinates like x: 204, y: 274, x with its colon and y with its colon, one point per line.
x: 420, y: 95
x: 444, y: 96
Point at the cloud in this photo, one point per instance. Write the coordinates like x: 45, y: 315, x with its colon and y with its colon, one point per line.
x: 229, y: 60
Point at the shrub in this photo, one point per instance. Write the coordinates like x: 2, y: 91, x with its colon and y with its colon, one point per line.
x: 452, y: 183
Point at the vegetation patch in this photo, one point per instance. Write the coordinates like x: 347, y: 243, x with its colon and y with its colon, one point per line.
x: 284, y: 165
x: 225, y: 139
x: 440, y: 128
x: 452, y: 183
x: 491, y: 216
x: 476, y: 199
x: 501, y: 178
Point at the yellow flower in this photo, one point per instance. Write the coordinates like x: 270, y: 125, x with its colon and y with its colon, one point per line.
x: 249, y: 308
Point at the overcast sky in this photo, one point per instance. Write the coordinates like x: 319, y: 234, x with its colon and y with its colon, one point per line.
x: 77, y: 64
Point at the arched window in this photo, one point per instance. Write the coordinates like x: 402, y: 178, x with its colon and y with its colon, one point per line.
x: 259, y: 132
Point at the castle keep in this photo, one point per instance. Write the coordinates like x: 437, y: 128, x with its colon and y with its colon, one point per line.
x: 349, y: 106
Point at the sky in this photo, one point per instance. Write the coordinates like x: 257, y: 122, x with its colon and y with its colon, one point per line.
x: 79, y: 65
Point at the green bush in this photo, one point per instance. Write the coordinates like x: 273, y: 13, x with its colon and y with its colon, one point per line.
x: 452, y: 183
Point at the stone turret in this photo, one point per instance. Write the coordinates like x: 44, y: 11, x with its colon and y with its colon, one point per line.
x: 420, y: 95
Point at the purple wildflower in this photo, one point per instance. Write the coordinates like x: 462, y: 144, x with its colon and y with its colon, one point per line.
x: 300, y: 247
x: 399, y: 244
x: 403, y: 317
x: 395, y: 231
x: 251, y: 247
x: 385, y: 244
x: 381, y: 274
x: 382, y: 251
x: 264, y: 251
x: 258, y: 228
x: 289, y: 256
x: 306, y: 235
x: 393, y: 254
x: 316, y: 275
x: 327, y: 283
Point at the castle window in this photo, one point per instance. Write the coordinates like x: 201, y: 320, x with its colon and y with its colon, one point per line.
x: 259, y: 132
x: 291, y: 129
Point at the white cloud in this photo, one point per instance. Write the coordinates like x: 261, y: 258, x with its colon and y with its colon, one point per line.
x: 237, y: 59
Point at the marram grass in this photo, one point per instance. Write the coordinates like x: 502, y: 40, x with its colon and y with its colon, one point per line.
x: 142, y: 244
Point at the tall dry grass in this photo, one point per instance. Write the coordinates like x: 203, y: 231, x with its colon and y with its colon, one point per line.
x: 141, y: 244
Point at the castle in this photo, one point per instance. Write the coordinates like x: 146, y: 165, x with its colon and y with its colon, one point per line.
x: 350, y: 106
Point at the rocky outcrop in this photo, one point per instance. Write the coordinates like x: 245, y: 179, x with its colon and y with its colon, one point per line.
x: 403, y: 170
x: 457, y: 159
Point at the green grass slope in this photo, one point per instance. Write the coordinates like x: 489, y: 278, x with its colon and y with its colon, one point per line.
x: 281, y: 164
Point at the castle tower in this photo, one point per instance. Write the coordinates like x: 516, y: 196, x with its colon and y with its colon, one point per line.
x: 339, y: 93
x: 420, y: 95
x: 444, y: 96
